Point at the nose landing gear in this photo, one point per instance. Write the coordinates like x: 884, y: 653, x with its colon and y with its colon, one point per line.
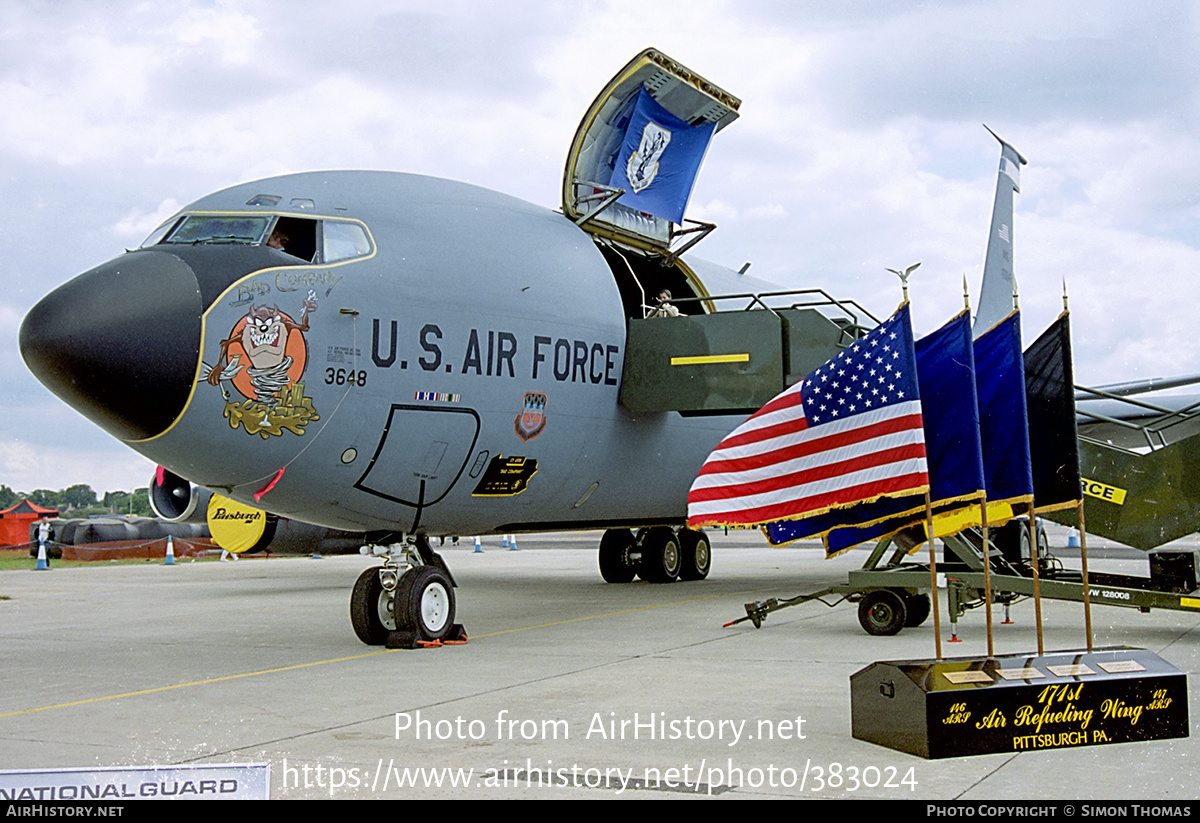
x: 408, y: 601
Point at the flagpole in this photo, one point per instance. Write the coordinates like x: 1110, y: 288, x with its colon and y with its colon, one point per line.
x: 987, y: 576
x: 1083, y: 556
x: 1037, y: 588
x: 937, y: 620
x: 1033, y: 552
x: 1087, y: 597
x: 987, y: 554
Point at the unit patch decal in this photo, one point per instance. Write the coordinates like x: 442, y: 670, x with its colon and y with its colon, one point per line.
x: 506, y: 476
x: 263, y: 359
x: 532, y: 419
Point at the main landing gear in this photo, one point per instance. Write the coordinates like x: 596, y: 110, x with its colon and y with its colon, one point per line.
x: 406, y: 602
x: 658, y: 554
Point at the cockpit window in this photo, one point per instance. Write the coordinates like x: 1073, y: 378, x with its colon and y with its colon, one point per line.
x: 297, y: 236
x: 159, y: 233
x: 209, y: 228
x: 307, y: 239
x: 343, y: 241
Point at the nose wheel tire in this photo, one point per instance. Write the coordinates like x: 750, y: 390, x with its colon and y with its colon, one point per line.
x: 615, y: 564
x: 696, y: 555
x: 424, y: 603
x: 371, y: 609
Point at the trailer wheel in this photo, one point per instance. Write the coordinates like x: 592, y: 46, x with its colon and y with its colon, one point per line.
x: 917, y: 607
x: 1012, y: 539
x: 882, y: 612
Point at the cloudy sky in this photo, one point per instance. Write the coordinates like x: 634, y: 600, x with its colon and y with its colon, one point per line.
x: 860, y: 147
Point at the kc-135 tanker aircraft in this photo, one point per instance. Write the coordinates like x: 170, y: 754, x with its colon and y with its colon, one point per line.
x: 410, y: 357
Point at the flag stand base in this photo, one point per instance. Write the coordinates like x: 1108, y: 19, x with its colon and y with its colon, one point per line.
x: 966, y: 706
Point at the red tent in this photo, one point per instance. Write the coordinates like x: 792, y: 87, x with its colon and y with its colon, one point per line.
x: 14, y: 523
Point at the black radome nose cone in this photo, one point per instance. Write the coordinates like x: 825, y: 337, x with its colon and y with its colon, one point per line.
x: 120, y: 343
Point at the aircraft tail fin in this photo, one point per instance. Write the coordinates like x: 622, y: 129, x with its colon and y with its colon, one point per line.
x: 996, y: 294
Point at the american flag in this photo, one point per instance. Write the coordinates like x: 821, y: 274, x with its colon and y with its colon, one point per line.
x: 848, y: 433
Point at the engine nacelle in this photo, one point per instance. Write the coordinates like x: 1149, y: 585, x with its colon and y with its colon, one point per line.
x: 176, y: 500
x: 239, y: 528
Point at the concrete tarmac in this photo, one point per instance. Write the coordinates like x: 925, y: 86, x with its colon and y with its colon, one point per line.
x: 569, y: 687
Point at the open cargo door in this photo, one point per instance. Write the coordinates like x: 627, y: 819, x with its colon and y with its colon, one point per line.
x: 638, y: 150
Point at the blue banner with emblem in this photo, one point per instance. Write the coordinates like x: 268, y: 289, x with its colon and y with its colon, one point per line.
x: 659, y: 159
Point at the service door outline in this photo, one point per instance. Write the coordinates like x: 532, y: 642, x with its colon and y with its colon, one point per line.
x: 420, y: 472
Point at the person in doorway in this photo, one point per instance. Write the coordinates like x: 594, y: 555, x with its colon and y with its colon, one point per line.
x: 662, y: 305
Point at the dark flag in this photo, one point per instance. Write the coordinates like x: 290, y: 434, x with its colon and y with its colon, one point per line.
x: 1053, y: 439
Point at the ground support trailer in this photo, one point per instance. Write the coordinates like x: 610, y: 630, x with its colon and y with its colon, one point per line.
x: 893, y: 595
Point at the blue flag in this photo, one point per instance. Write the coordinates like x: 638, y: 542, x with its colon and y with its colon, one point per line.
x: 1053, y: 439
x: 948, y: 374
x: 659, y: 159
x: 1003, y: 417
x: 872, y: 520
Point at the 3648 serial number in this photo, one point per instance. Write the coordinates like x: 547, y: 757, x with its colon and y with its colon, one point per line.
x: 340, y: 377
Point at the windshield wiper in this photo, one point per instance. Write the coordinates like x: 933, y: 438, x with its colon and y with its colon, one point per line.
x: 224, y: 238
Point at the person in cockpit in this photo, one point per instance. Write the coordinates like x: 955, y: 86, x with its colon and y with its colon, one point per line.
x: 278, y: 240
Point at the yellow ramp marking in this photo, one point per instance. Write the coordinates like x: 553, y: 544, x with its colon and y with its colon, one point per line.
x: 704, y: 359
x: 225, y: 678
x: 158, y: 689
